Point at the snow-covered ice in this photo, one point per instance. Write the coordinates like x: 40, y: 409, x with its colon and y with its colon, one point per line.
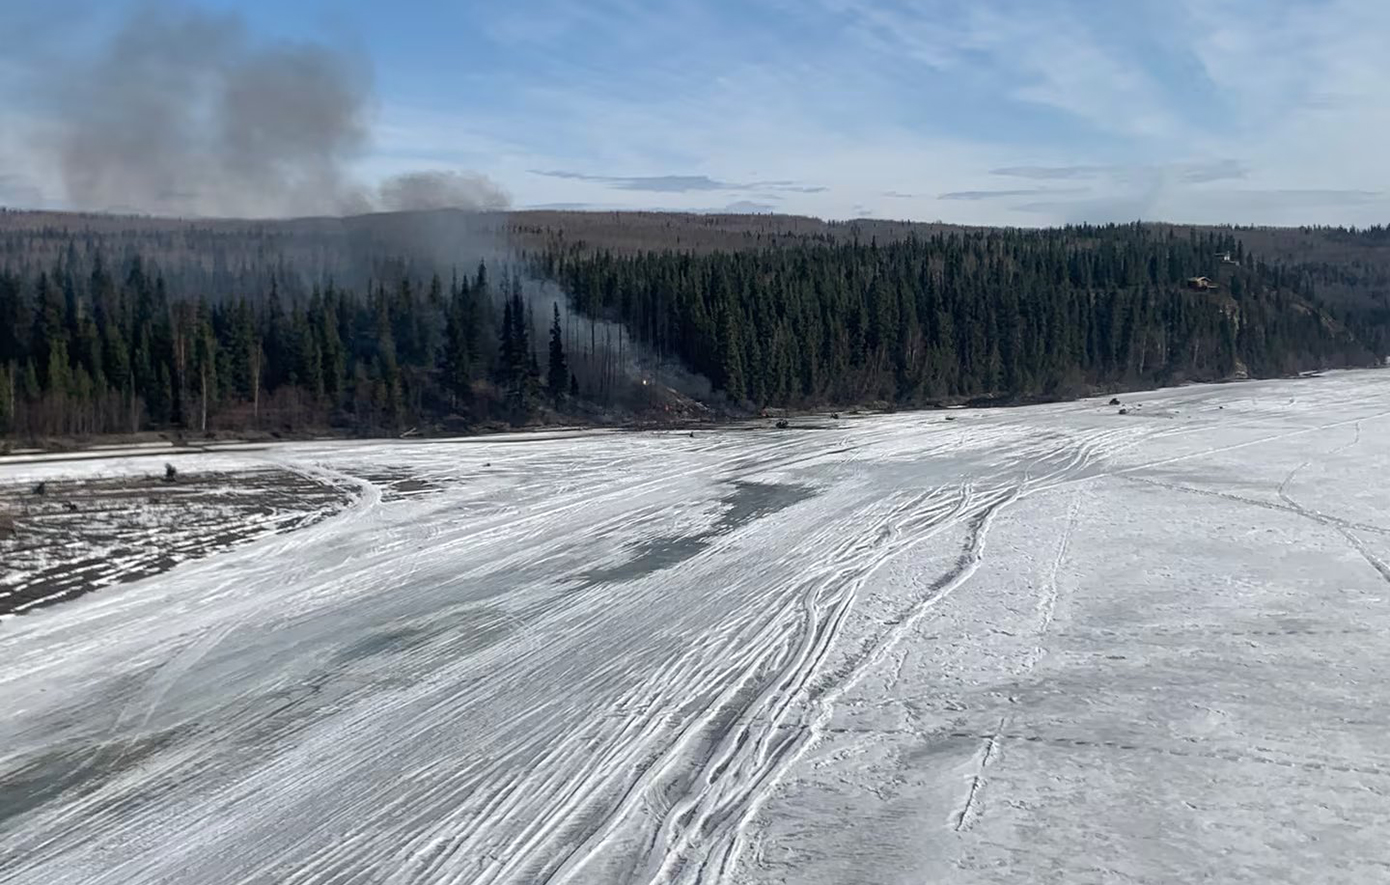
x: 1051, y: 644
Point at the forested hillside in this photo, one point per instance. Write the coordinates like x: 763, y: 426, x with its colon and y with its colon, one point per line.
x: 996, y: 314
x: 384, y: 323
x: 85, y: 349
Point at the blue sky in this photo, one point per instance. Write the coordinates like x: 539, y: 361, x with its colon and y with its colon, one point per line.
x: 991, y: 111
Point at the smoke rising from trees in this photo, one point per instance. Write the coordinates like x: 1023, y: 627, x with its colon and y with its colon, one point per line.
x: 442, y: 190
x: 185, y: 112
x: 603, y: 353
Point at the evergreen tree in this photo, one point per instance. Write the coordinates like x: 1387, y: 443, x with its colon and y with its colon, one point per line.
x: 91, y: 345
x: 516, y: 363
x: 7, y: 398
x: 559, y: 374
x: 458, y: 350
x: 205, y: 368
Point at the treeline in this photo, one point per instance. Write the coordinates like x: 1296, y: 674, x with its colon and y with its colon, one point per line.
x: 90, y: 345
x: 86, y: 349
x: 966, y: 314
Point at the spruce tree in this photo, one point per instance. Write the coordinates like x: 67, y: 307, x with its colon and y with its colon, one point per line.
x: 558, y: 376
x: 7, y: 403
x: 87, y: 345
x: 507, y: 347
x: 457, y: 356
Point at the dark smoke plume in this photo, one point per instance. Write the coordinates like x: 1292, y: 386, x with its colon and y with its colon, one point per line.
x: 184, y: 113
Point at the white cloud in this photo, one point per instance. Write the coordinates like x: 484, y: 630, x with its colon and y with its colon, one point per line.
x: 1012, y: 112
x: 1010, y: 194
x: 680, y: 184
x: 1043, y: 53
x: 1067, y: 66
x: 1305, y: 83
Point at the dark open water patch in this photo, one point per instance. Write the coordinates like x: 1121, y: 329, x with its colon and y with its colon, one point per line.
x: 650, y: 557
x: 399, y: 484
x: 745, y: 504
x: 380, y: 643
x: 751, y: 501
x: 79, y: 771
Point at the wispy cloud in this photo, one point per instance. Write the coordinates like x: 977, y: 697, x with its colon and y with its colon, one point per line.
x: 931, y: 109
x: 1099, y: 210
x: 568, y: 207
x: 1053, y: 54
x: 738, y: 207
x: 1051, y: 173
x: 18, y: 190
x: 680, y: 184
x: 1295, y: 198
x: 1303, y: 83
x: 1192, y: 173
x: 994, y: 111
x: 749, y: 207
x: 1240, y: 206
x: 1005, y: 194
x: 1220, y: 170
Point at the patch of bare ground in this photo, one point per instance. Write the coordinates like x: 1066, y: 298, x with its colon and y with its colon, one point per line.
x: 397, y: 484
x: 69, y: 538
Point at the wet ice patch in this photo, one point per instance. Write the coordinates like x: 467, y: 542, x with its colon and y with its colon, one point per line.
x: 745, y: 504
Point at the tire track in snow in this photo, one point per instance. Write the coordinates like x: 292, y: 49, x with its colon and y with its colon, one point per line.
x: 1339, y: 525
x: 1278, y: 437
x: 731, y: 842
x: 507, y: 863
x: 970, y: 812
x: 1047, y: 606
x: 590, y: 719
x: 502, y: 854
x: 63, y: 820
x: 1138, y: 745
x: 1084, y: 454
x: 740, y: 739
x: 1255, y: 502
x: 674, y: 846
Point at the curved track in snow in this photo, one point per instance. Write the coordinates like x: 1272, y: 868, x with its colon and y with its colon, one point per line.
x: 626, y: 657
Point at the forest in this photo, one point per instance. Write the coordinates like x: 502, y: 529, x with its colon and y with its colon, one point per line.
x: 1001, y: 314
x: 89, y: 350
x: 102, y: 336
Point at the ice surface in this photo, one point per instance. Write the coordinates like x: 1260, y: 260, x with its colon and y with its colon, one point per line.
x: 1052, y: 644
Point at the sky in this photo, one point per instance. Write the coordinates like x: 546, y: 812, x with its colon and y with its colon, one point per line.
x: 1016, y: 112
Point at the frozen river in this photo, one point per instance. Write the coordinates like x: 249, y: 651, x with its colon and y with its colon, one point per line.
x: 1050, y: 644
